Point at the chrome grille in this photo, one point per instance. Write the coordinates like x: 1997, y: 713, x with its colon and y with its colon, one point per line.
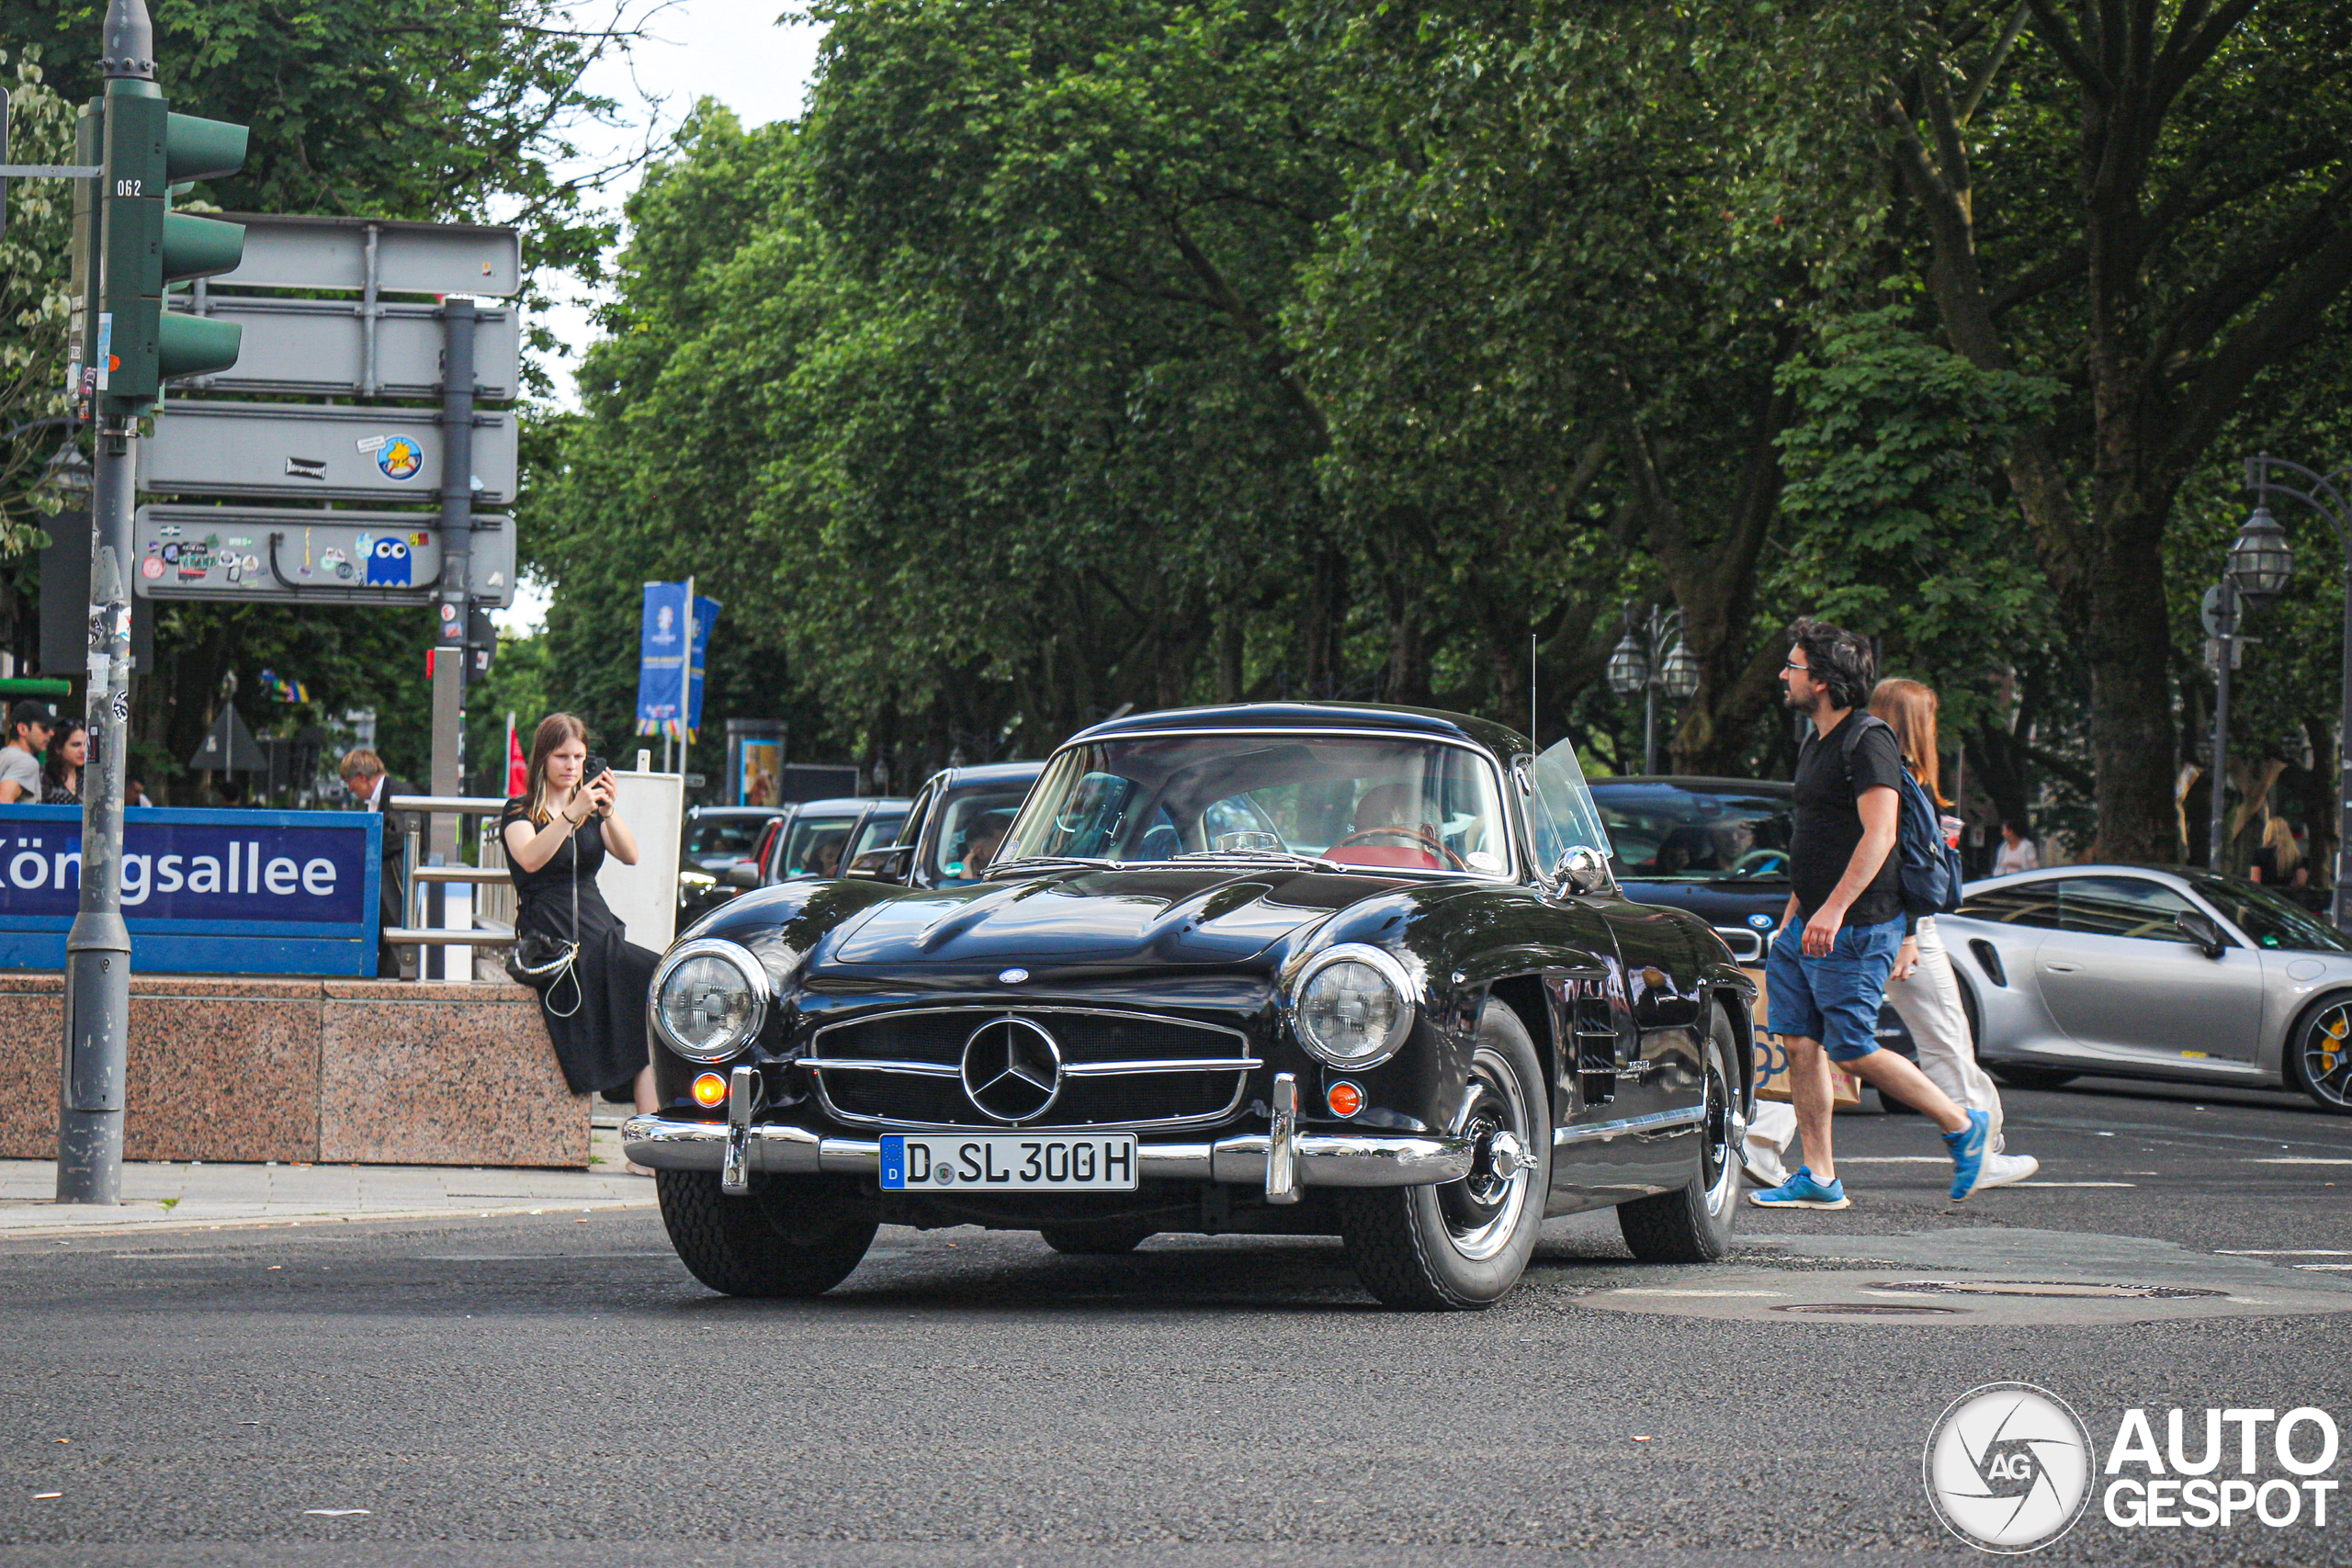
x: 1119, y: 1069
x: 1746, y: 946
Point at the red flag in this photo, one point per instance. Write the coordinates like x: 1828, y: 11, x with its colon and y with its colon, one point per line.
x: 518, y: 771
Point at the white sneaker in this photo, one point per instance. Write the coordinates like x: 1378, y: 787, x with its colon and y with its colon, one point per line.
x: 2002, y: 1169
x: 1762, y: 1163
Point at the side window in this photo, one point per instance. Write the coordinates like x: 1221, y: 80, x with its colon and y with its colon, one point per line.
x: 1562, y: 813
x: 2034, y: 904
x: 2120, y: 905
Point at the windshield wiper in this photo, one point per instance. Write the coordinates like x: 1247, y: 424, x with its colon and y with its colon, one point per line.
x: 1050, y: 863
x: 1287, y: 857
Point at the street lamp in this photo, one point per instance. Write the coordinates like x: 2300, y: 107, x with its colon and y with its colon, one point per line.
x: 2259, y: 566
x: 2325, y: 493
x: 1645, y: 661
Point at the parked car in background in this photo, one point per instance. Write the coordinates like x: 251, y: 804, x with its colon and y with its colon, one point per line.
x: 1274, y: 968
x: 819, y: 838
x: 960, y: 815
x: 719, y: 839
x: 2154, y: 972
x: 1718, y: 848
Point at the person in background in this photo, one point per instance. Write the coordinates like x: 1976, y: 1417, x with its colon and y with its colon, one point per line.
x: 2016, y: 851
x: 557, y: 834
x: 134, y: 793
x: 363, y: 774
x: 1827, y: 965
x: 1922, y: 988
x: 29, y: 724
x: 2280, y: 861
x: 232, y: 791
x: 61, y: 771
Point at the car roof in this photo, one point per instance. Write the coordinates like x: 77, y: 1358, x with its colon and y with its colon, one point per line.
x: 1500, y: 740
x: 1700, y: 784
x: 846, y: 805
x: 990, y: 773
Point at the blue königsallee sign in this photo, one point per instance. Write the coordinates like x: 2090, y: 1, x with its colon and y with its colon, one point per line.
x: 204, y: 892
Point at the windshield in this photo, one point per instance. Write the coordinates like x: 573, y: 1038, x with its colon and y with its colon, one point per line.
x: 1396, y: 802
x: 726, y: 835
x: 2268, y: 920
x: 879, y: 830
x: 972, y: 823
x: 1690, y: 832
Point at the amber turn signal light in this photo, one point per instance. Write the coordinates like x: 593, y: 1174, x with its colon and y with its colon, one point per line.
x: 710, y: 1091
x: 1345, y: 1098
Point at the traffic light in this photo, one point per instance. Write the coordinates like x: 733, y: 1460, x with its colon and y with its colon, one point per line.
x: 147, y: 248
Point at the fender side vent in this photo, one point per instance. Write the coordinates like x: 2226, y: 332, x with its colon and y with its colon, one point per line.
x: 1596, y: 1046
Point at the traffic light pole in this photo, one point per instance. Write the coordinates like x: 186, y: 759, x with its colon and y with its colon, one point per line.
x: 98, y: 949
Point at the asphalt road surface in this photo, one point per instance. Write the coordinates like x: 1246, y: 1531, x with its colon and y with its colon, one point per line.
x: 556, y: 1391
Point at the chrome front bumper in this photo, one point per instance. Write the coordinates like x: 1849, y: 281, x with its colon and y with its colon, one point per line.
x: 1314, y: 1159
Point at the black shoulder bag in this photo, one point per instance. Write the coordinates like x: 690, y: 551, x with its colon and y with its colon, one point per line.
x: 542, y: 962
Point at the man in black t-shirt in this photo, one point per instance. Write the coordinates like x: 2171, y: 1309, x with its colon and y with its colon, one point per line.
x: 1825, y: 976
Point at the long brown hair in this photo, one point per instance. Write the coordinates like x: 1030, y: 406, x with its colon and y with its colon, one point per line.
x: 1909, y: 709
x: 553, y: 731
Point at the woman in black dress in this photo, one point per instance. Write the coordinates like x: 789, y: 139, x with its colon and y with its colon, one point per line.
x: 557, y: 837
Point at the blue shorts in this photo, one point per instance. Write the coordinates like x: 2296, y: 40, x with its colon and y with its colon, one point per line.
x: 1835, y: 1000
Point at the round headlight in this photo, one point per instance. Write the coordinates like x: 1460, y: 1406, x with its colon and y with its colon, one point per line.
x: 1355, y: 1007
x: 709, y: 1000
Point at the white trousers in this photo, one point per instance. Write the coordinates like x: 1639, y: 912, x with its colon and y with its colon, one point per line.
x: 1929, y: 1003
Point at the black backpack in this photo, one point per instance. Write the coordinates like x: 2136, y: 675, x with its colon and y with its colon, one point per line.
x: 1929, y: 873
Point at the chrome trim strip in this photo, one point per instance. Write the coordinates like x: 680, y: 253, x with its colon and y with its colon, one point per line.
x: 742, y: 1092
x: 1241, y: 1065
x: 1282, y: 1143
x: 1322, y: 1159
x: 1169, y: 1064
x: 1016, y: 1006
x: 1754, y: 951
x: 1655, y: 1121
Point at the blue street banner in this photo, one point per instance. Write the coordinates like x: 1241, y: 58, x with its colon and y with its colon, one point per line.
x: 660, y: 643
x: 205, y: 892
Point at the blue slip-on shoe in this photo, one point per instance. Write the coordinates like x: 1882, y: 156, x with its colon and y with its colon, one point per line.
x: 1967, y: 1147
x: 1801, y: 1191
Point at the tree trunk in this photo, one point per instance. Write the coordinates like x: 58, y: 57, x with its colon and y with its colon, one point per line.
x: 2128, y: 645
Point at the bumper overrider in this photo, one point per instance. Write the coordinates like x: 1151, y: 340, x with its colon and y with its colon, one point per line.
x: 1281, y: 1160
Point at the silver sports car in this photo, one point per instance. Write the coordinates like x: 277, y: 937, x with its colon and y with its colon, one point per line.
x: 2133, y: 972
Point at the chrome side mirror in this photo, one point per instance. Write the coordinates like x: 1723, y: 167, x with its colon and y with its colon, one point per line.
x: 742, y: 875
x: 1581, y: 871
x: 2201, y: 928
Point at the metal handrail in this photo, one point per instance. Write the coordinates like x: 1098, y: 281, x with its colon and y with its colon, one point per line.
x: 412, y: 930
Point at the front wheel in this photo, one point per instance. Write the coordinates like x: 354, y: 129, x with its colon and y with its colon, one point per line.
x: 2319, y: 1056
x: 1692, y: 1224
x: 791, y: 1236
x: 1463, y: 1245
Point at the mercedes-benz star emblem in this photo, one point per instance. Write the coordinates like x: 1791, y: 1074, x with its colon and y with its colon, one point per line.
x: 1012, y: 976
x: 1013, y: 1069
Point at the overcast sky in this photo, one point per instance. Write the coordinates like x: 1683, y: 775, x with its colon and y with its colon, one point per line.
x: 734, y: 51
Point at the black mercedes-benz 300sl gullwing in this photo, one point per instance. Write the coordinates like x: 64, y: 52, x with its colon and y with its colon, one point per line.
x: 1306, y: 969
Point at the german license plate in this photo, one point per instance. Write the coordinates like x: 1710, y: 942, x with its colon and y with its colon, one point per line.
x: 1008, y: 1162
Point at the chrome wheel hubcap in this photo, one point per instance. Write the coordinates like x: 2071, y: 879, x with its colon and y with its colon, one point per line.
x: 1482, y: 1210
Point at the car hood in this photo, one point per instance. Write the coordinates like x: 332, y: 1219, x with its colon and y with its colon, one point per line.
x: 1095, y: 919
x: 1717, y: 903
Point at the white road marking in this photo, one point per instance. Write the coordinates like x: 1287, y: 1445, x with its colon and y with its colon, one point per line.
x: 2073, y: 1184
x: 1895, y: 1159
x: 1661, y: 1291
x: 2286, y: 1252
x: 2298, y: 1159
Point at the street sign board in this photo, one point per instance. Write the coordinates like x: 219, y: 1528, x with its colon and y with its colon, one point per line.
x: 320, y: 346
x: 327, y: 453
x: 277, y: 555
x: 287, y: 251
